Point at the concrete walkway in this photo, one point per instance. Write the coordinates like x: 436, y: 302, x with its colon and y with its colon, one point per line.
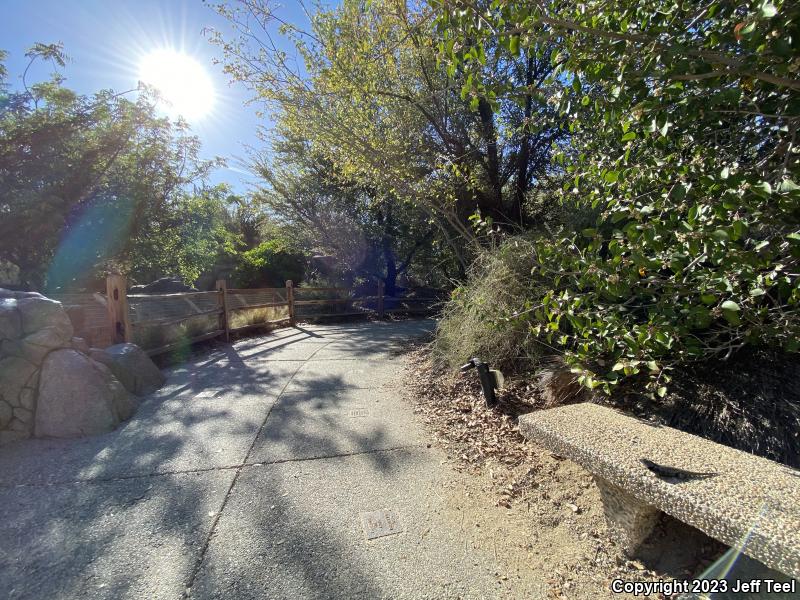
x: 251, y: 474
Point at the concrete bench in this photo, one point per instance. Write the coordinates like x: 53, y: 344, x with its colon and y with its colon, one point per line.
x: 642, y: 469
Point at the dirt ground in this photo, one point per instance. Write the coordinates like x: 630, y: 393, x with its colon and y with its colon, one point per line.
x: 539, y: 513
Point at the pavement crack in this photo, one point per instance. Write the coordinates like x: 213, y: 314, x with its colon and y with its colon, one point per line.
x: 89, y: 480
x: 266, y: 463
x: 213, y: 529
x: 338, y: 455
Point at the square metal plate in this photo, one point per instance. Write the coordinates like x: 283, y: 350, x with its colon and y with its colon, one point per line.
x: 380, y: 523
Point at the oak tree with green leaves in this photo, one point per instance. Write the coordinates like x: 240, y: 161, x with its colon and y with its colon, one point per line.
x: 366, y: 232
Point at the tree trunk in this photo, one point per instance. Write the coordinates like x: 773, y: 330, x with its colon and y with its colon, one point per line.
x: 521, y: 187
x: 390, y: 280
x: 494, y: 207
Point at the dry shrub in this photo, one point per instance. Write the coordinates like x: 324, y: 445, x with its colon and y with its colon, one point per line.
x: 242, y: 317
x: 154, y: 336
x: 475, y: 322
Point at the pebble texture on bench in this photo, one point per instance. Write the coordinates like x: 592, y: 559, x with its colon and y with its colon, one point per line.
x: 752, y: 502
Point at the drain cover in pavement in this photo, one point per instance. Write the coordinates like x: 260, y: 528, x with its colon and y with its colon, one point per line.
x: 359, y: 412
x: 207, y: 394
x: 380, y: 523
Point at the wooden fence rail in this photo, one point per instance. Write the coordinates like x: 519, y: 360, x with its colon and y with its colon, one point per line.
x: 164, y: 322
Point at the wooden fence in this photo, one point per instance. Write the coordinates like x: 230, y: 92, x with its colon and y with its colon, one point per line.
x: 161, y: 323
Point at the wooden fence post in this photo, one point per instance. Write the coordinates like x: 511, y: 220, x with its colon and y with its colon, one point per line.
x: 118, y: 314
x: 380, y: 298
x: 224, y: 322
x: 290, y: 300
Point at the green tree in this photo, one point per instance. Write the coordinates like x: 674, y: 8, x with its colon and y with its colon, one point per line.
x: 82, y: 176
x: 190, y: 238
x: 370, y: 235
x: 369, y: 96
x: 270, y: 264
x: 684, y: 119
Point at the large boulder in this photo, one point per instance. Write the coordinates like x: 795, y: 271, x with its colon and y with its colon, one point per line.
x: 78, y: 397
x: 41, y: 312
x: 16, y: 374
x: 131, y: 365
x: 18, y: 378
x: 48, y: 385
x: 99, y: 355
x: 4, y: 293
x: 40, y: 343
x: 10, y: 321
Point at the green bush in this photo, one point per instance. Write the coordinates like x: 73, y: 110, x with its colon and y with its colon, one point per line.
x: 683, y: 120
x: 270, y: 264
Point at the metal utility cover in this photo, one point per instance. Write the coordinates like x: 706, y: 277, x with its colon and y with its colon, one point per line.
x: 359, y: 412
x: 380, y: 523
x: 207, y: 394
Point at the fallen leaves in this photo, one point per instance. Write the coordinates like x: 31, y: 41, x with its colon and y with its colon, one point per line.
x: 454, y: 407
x: 553, y: 495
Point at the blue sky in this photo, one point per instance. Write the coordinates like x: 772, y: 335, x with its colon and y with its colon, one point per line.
x: 106, y: 41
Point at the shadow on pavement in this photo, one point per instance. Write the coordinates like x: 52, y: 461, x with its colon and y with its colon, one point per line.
x: 127, y: 514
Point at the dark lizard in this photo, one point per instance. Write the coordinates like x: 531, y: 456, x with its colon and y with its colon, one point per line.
x: 665, y: 472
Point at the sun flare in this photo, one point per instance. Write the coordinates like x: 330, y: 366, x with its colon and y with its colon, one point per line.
x: 181, y: 81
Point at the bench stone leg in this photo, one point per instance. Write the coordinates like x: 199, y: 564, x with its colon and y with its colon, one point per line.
x: 629, y: 519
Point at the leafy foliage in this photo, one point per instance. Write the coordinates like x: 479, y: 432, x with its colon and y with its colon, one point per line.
x: 480, y: 319
x: 369, y: 235
x: 270, y: 264
x: 684, y: 120
x: 194, y: 235
x: 365, y: 93
x: 90, y: 183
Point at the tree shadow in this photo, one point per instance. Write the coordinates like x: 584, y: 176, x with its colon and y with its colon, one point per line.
x: 128, y: 513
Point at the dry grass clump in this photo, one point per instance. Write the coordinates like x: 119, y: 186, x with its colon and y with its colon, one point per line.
x: 249, y: 316
x: 475, y: 322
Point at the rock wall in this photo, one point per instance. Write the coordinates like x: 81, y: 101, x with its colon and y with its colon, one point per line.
x: 51, y: 383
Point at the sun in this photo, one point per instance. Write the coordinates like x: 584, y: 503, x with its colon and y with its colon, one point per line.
x: 181, y: 81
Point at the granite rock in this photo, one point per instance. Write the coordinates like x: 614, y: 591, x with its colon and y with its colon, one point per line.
x: 134, y: 368
x: 15, y: 374
x: 27, y: 397
x: 10, y: 320
x: 4, y: 293
x: 80, y: 345
x: 41, y: 312
x: 39, y: 344
x: 78, y: 397
x: 98, y: 355
x: 6, y: 412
